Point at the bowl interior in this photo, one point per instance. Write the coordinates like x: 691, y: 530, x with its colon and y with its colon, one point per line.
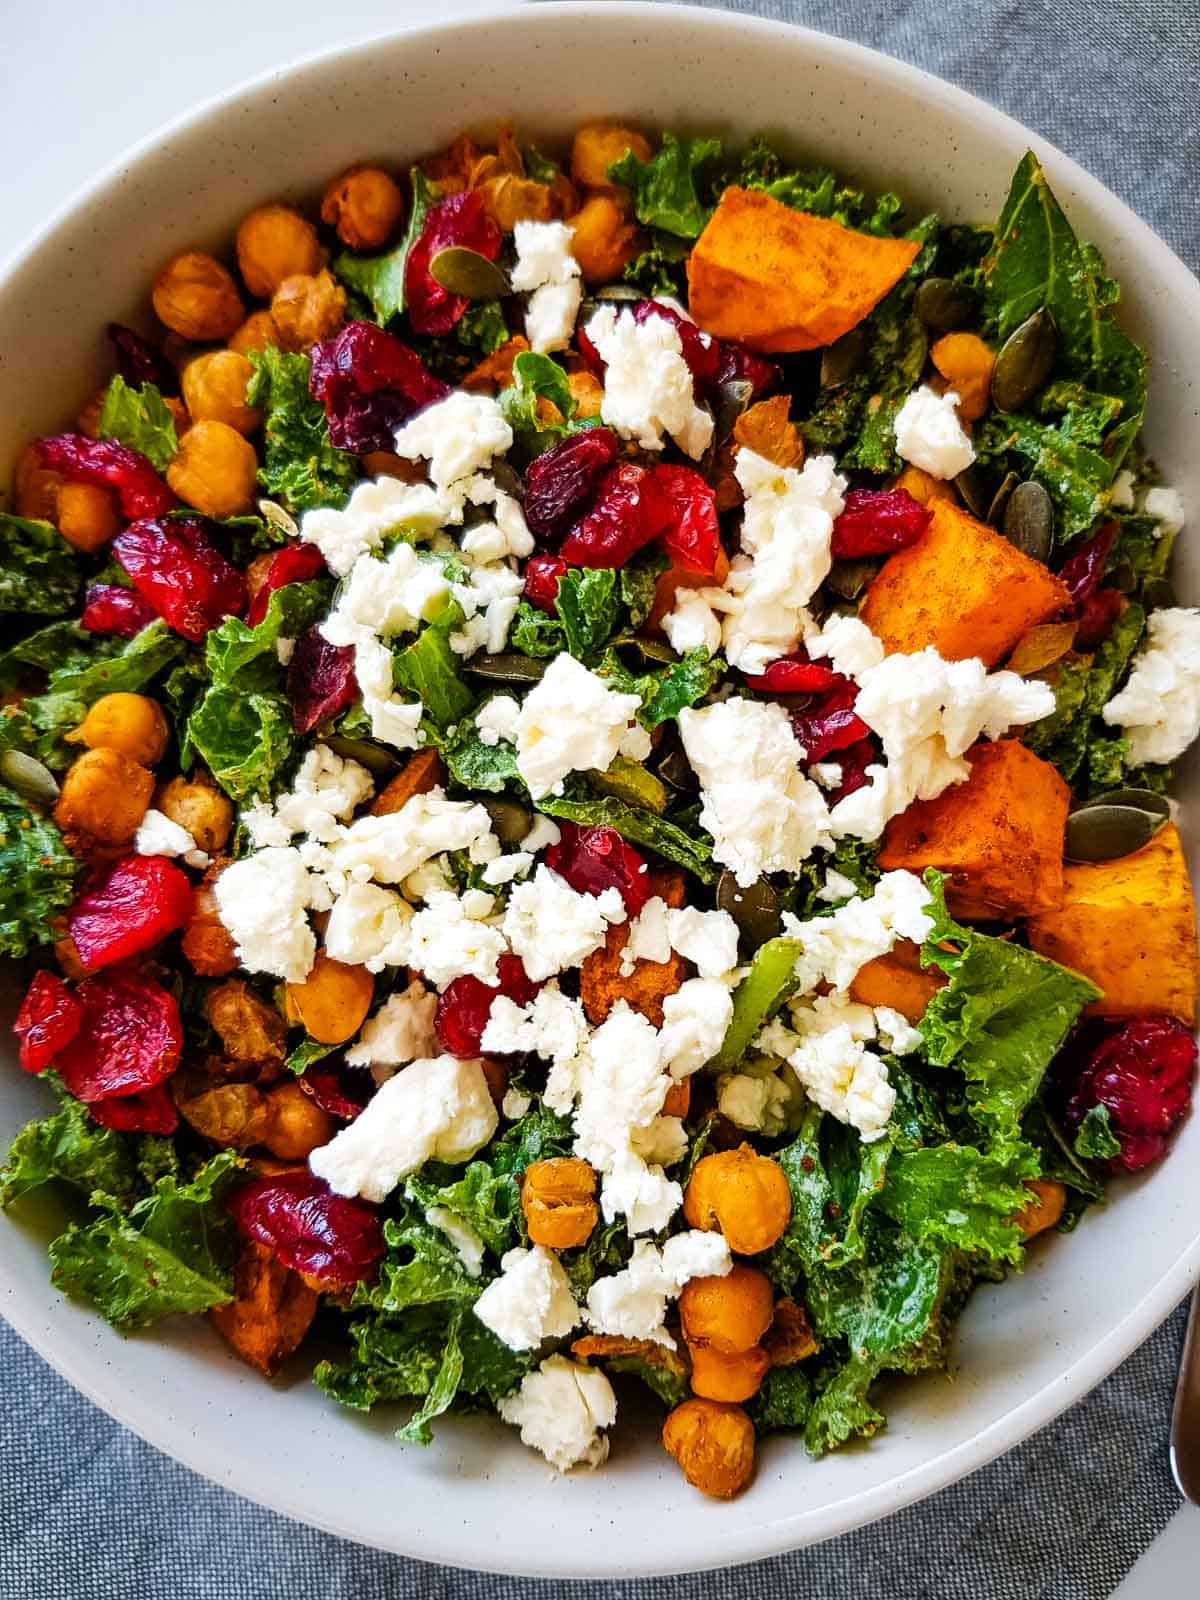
x: 477, y: 1498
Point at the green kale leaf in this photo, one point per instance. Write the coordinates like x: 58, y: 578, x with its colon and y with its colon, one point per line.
x: 37, y: 876
x: 39, y: 572
x: 538, y: 377
x: 140, y: 419
x: 301, y: 468
x: 770, y: 981
x: 69, y: 1147
x: 833, y: 1178
x: 486, y: 1200
x: 475, y: 765
x: 421, y: 1268
x: 1095, y: 1140
x: 817, y: 190
x: 428, y: 668
x: 953, y: 1194
x: 662, y: 269
x: 690, y: 851
x: 482, y: 329
x: 842, y: 1410
x: 664, y: 188
x: 783, y: 1402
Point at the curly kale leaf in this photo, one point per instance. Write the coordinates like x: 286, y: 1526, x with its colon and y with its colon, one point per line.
x: 39, y: 572
x: 37, y: 876
x: 301, y: 468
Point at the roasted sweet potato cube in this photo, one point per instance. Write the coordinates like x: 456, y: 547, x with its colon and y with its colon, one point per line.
x: 271, y: 1310
x: 418, y: 775
x: 1130, y: 926
x: 961, y: 588
x: 897, y: 981
x: 998, y: 836
x: 601, y: 983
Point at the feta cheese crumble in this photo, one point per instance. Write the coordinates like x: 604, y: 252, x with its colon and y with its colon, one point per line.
x: 498, y: 720
x: 552, y: 927
x: 468, y: 1246
x: 157, y: 835
x: 560, y: 1410
x: 632, y: 1303
x: 648, y: 390
x: 1166, y: 507
x: 693, y: 624
x: 571, y: 721
x: 400, y: 1031
x: 929, y: 434
x: 1158, y: 710
x: 263, y: 901
x: 458, y: 436
x: 374, y: 510
x: 328, y: 789
x: 837, y: 945
x: 531, y: 1300
x: 696, y: 1019
x: 450, y: 938
x: 546, y: 266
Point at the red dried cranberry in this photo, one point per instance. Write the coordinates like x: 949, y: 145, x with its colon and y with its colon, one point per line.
x: 1096, y: 617
x: 139, y: 362
x: 324, y: 1235
x: 341, y: 1090
x: 832, y: 724
x: 854, y: 761
x: 143, y: 899
x: 795, y: 674
x: 107, y: 608
x: 151, y: 1112
x: 465, y: 1006
x: 1083, y: 572
x: 460, y: 219
x: 293, y: 564
x: 369, y: 382
x: 108, y: 465
x: 739, y: 365
x: 630, y: 511
x: 320, y: 679
x: 700, y: 350
x: 47, y: 1021
x: 595, y: 362
x: 874, y: 522
x: 129, y: 1037
x: 694, y: 538
x: 541, y: 581
x: 595, y: 859
x: 561, y: 483
x: 1142, y: 1074
x: 177, y: 568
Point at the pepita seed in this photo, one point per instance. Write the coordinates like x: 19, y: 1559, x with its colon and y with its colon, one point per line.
x: 510, y: 820
x: 675, y: 768
x: 943, y: 305
x: 1107, y: 832
x: 619, y: 291
x: 653, y: 651
x: 971, y: 486
x: 995, y: 515
x: 1025, y: 361
x: 1029, y: 520
x: 1142, y: 799
x: 31, y: 779
x: 1159, y: 592
x: 465, y: 272
x: 274, y: 514
x: 1042, y: 647
x: 733, y: 396
x: 849, y: 578
x: 755, y: 910
x: 842, y: 359
x: 508, y: 668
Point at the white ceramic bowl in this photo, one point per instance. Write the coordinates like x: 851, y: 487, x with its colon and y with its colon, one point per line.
x: 1027, y: 1349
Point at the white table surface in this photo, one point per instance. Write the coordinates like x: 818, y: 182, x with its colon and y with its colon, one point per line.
x: 91, y: 79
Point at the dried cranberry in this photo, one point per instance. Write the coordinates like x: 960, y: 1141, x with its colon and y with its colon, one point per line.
x: 47, y: 1021
x: 630, y: 511
x: 460, y: 219
x: 700, y: 350
x: 320, y: 679
x: 561, y: 483
x: 293, y: 564
x: 369, y: 382
x: 694, y: 538
x: 832, y: 724
x: 143, y: 899
x: 1083, y: 572
x: 139, y: 362
x: 594, y: 361
x: 854, y: 761
x: 129, y: 1037
x: 739, y: 365
x: 324, y: 1235
x: 795, y: 674
x: 177, y: 568
x: 107, y: 608
x: 463, y: 1009
x: 341, y: 1090
x: 151, y: 1112
x: 874, y: 522
x: 1096, y: 617
x: 541, y: 581
x: 108, y: 465
x: 1142, y: 1074
x: 595, y: 859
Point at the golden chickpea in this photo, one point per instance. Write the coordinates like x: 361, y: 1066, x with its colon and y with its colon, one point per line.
x: 214, y: 390
x: 35, y: 488
x: 364, y: 205
x: 605, y: 241
x: 216, y: 470
x: 332, y: 1001
x: 597, y: 145
x: 728, y: 1377
x: 207, y: 944
x: 741, y: 1193
x: 728, y: 1314
x: 196, y: 297
x: 713, y: 1444
x: 1047, y: 1202
x: 790, y: 1337
x: 86, y: 516
x: 88, y: 420
x: 307, y: 309
x: 233, y: 1115
x: 587, y: 392
x: 131, y: 723
x: 274, y: 243
x: 104, y: 797
x: 256, y: 333
x: 249, y: 1029
x: 199, y: 806
x: 558, y: 1199
x: 296, y: 1125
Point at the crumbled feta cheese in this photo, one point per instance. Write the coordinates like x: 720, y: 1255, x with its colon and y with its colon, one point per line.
x: 692, y: 624
x: 544, y: 832
x: 648, y: 387
x: 695, y: 1021
x: 436, y: 1109
x: 369, y: 927
x: 763, y: 813
x: 515, y: 1104
x: 386, y: 597
x: 897, y: 1034
x: 447, y: 942
x: 552, y: 927
x: 850, y: 646
x: 560, y: 1410
x: 550, y: 315
x: 571, y: 721
x: 1158, y: 710
x: 543, y: 255
x: 394, y: 721
x: 552, y: 1026
x: 642, y: 1194
x: 837, y: 887
x: 837, y: 945
x: 263, y: 900
x: 505, y: 868
x: 1166, y: 507
x: 632, y: 1303
x: 458, y: 436
x: 468, y: 1246
x: 649, y: 936
x: 328, y: 789
x: 929, y: 434
x: 375, y: 509
x: 498, y: 720
x: 844, y: 1078
x: 708, y: 939
x: 755, y: 1102
x: 506, y: 535
x: 400, y: 1031
x: 1121, y: 494
x: 157, y: 835
x: 389, y: 848
x: 530, y: 1301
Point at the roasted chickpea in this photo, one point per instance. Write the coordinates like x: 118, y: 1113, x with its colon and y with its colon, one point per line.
x: 713, y: 1444
x: 233, y: 1115
x: 214, y: 390
x: 743, y: 1194
x: 104, y: 797
x: 296, y: 1125
x: 35, y: 488
x: 199, y: 806
x: 364, y: 205
x: 510, y: 199
x: 558, y: 1199
x: 308, y: 309
x: 196, y: 297
x: 724, y: 1377
x: 587, y: 392
x: 249, y: 1029
x: 332, y: 1001
x: 728, y: 1314
x: 207, y: 943
x: 1047, y: 1202
x: 790, y: 1337
x: 605, y: 241
x: 216, y: 470
x: 86, y: 516
x: 597, y: 145
x: 131, y: 723
x: 88, y: 420
x: 274, y: 243
x: 256, y: 333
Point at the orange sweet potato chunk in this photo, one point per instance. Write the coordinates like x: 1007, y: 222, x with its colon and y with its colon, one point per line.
x: 897, y: 981
x: 998, y: 836
x: 777, y: 279
x: 1130, y: 926
x: 419, y: 774
x: 961, y: 588
x: 270, y: 1313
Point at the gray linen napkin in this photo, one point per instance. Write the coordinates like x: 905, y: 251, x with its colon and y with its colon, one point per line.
x: 88, y: 1512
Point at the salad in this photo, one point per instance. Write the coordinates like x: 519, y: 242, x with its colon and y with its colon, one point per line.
x: 585, y: 752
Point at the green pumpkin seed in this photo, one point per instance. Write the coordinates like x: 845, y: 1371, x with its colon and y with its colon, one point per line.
x: 1123, y: 578
x: 619, y: 291
x: 1106, y: 832
x: 974, y: 491
x: 849, y: 578
x: 508, y: 668
x: 995, y: 513
x: 1142, y: 799
x: 1029, y: 520
x: 943, y: 305
x: 843, y: 358
x: 755, y: 910
x: 275, y: 516
x: 510, y: 821
x: 649, y: 651
x: 1025, y: 361
x: 465, y: 272
x: 31, y: 779
x: 675, y: 768
x: 1159, y: 592
x: 733, y: 396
